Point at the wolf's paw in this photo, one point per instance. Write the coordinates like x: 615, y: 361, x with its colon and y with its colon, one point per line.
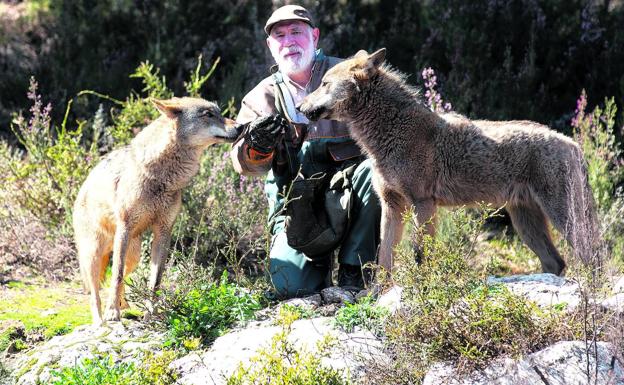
x: 112, y: 314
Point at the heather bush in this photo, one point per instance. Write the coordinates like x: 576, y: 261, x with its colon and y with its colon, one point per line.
x: 45, y: 180
x: 594, y: 131
x: 450, y: 313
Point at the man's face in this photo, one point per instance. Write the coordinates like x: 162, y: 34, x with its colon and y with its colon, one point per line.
x: 293, y: 45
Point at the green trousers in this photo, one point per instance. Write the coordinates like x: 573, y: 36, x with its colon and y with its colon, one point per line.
x: 292, y: 273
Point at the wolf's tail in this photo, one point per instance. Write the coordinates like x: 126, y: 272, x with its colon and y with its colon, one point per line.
x: 583, y: 221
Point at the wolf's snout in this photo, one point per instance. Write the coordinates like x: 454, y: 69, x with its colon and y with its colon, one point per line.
x: 310, y: 111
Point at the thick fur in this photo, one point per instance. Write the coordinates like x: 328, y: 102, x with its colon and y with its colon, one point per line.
x: 424, y: 159
x: 138, y: 187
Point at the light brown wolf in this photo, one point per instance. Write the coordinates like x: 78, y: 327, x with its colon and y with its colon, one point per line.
x: 424, y: 159
x: 138, y: 187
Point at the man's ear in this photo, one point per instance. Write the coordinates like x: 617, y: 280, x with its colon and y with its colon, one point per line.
x: 170, y: 107
x: 316, y: 33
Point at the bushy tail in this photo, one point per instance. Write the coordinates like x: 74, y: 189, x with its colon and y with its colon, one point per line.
x: 584, y: 234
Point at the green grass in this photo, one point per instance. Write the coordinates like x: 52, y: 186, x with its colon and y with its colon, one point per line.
x: 50, y: 311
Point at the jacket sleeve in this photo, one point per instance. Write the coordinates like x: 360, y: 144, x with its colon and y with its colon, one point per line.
x: 246, y: 160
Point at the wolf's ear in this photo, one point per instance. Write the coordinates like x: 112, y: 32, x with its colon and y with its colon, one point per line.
x: 377, y: 57
x: 171, y: 108
x: 370, y: 63
x: 361, y: 54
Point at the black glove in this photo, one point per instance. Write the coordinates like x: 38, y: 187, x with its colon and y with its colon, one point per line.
x: 263, y: 134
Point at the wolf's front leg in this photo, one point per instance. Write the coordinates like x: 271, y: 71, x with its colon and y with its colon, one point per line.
x: 392, y: 205
x: 158, y: 258
x: 120, y: 248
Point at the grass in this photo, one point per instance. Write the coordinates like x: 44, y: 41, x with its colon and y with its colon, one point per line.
x: 48, y: 311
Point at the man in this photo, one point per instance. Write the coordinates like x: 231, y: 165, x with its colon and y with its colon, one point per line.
x: 284, y: 147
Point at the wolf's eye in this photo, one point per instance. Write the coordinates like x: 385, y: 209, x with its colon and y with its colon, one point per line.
x: 324, y: 84
x: 207, y: 113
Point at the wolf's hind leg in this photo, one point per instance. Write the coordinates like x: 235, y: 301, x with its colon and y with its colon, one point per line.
x: 92, y: 254
x: 120, y: 248
x: 530, y: 223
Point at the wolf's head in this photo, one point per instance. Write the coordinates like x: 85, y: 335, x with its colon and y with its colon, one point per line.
x: 340, y: 85
x: 198, y: 122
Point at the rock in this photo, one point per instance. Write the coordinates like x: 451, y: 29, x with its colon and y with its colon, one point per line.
x: 391, y: 300
x: 237, y: 347
x: 544, y: 289
x: 122, y: 341
x: 618, y: 287
x: 336, y: 294
x: 614, y: 303
x: 311, y: 302
x: 560, y: 364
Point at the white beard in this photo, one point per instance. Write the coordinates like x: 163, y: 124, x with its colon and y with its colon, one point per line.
x: 294, y: 64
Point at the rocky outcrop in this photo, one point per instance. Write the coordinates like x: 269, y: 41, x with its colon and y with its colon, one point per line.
x: 564, y: 363
x: 123, y: 341
x: 236, y: 348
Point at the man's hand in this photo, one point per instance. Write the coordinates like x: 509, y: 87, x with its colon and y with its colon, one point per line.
x: 264, y: 133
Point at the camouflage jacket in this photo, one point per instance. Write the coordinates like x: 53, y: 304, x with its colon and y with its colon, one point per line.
x: 260, y: 101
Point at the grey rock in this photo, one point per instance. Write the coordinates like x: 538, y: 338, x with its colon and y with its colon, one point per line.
x: 544, y: 289
x: 336, y: 294
x: 614, y: 303
x: 391, y: 299
x: 311, y: 302
x: 123, y: 341
x: 238, y: 347
x: 564, y: 363
x: 618, y: 286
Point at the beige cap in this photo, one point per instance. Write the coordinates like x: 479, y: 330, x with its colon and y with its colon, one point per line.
x: 288, y: 12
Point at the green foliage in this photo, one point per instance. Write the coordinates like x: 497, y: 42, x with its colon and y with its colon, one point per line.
x: 97, y: 371
x: 301, y: 312
x: 48, y: 179
x: 45, y: 311
x: 594, y: 132
x: 364, y: 314
x: 103, y: 370
x: 284, y: 363
x: 206, y: 311
x: 451, y: 314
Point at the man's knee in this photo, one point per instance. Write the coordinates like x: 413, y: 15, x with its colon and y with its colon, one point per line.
x: 291, y: 273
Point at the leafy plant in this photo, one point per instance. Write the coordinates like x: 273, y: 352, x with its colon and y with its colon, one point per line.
x: 363, y: 313
x: 105, y: 370
x: 57, y: 162
x: 207, y: 310
x: 96, y: 371
x: 284, y: 363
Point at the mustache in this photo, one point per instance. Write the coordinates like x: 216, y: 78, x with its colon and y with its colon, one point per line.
x: 291, y: 50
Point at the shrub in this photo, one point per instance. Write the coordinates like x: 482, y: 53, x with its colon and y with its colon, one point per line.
x: 605, y: 166
x: 47, y: 180
x: 199, y: 313
x: 96, y: 371
x: 283, y: 363
x: 364, y: 314
x: 104, y: 370
x: 451, y: 314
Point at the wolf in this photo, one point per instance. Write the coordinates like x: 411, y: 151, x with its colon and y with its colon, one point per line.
x: 139, y: 187
x: 424, y: 159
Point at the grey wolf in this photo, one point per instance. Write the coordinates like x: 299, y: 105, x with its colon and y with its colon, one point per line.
x: 138, y: 187
x: 424, y: 159
x: 318, y: 147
